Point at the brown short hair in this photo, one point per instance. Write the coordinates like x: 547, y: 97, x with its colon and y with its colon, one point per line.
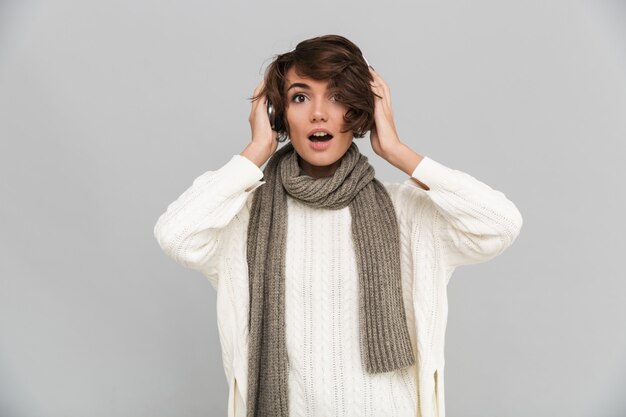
x: 329, y: 57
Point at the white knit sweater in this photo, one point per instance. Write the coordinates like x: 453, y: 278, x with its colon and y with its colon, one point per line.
x: 459, y: 221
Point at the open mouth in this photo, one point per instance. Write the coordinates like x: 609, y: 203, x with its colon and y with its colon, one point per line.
x: 324, y: 138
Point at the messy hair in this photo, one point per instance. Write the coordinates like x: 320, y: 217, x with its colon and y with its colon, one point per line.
x: 329, y: 57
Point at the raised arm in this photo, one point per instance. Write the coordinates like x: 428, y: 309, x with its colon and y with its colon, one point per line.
x: 474, y: 222
x: 189, y: 230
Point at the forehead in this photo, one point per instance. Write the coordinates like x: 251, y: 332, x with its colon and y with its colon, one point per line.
x: 292, y: 78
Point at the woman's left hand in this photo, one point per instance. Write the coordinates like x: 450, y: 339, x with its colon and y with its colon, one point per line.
x: 383, y: 135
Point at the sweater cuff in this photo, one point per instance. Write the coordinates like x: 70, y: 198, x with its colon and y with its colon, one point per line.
x: 431, y: 173
x: 238, y: 175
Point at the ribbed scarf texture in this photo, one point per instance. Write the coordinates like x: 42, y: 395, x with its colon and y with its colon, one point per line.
x: 384, y: 336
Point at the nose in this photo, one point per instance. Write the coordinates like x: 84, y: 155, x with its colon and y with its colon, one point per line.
x: 319, y: 111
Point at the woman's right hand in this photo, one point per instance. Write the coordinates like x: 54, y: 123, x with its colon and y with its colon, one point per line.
x: 263, y: 137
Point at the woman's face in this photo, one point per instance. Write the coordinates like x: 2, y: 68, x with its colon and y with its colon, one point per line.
x: 311, y: 106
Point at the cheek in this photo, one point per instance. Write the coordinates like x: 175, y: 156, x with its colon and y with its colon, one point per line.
x: 295, y: 118
x: 339, y: 112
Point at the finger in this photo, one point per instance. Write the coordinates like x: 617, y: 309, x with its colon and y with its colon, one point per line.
x: 387, y: 97
x: 255, y: 103
x: 261, y: 102
x: 378, y: 83
x: 378, y: 78
x: 258, y: 103
x: 259, y: 86
x: 381, y: 96
x: 383, y: 85
x: 385, y: 92
x: 385, y: 88
x: 376, y: 88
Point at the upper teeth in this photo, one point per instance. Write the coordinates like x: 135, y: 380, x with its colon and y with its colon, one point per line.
x: 319, y: 134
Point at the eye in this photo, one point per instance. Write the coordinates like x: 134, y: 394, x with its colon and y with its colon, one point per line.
x: 295, y: 96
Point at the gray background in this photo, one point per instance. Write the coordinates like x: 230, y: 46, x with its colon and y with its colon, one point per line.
x: 109, y: 110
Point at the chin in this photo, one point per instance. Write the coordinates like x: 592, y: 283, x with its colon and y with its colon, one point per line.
x: 323, y: 160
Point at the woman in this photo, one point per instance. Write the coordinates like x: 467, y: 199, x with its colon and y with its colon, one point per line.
x: 332, y: 284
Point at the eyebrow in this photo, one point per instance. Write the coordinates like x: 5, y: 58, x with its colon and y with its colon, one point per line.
x: 301, y: 85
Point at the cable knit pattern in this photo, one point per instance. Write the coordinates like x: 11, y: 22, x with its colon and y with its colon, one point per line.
x: 459, y: 221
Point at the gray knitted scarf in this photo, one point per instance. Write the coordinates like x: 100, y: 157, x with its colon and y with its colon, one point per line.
x: 385, y: 342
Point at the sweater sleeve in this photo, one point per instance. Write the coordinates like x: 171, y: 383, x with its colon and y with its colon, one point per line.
x: 189, y: 231
x: 474, y: 222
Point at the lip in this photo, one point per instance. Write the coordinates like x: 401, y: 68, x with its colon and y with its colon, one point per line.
x: 319, y: 129
x: 320, y: 146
